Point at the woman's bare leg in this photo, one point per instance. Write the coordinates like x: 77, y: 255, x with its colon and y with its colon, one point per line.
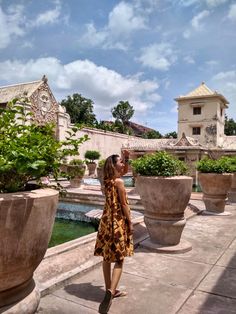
x: 116, y: 274
x: 107, y: 274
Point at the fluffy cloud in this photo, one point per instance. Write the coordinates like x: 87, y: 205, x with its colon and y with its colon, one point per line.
x: 232, y: 13
x: 48, y: 17
x: 104, y: 86
x: 11, y: 24
x: 196, y: 21
x: 158, y: 56
x: 215, y: 3
x: 123, y: 20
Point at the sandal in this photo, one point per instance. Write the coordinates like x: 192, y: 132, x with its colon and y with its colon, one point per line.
x: 120, y: 293
x: 106, y: 303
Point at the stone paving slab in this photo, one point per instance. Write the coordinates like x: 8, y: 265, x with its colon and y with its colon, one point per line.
x: 221, y: 281
x: 188, y: 283
x: 204, y: 303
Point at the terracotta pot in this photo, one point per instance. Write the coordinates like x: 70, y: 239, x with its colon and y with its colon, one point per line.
x: 91, y: 168
x: 26, y: 223
x: 100, y: 178
x: 164, y: 200
x: 215, y: 187
x: 232, y: 191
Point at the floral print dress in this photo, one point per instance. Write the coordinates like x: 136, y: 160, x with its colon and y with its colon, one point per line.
x: 113, y: 239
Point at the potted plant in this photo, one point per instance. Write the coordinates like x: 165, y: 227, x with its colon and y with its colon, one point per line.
x: 75, y: 172
x: 91, y: 155
x: 100, y: 173
x: 27, y: 152
x: 165, y: 193
x: 215, y: 179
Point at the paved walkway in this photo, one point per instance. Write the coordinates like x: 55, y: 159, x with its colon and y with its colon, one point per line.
x: 200, y: 281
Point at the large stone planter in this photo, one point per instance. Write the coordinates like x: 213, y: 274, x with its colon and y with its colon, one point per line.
x: 232, y: 191
x: 215, y: 187
x: 100, y: 177
x: 91, y: 168
x: 26, y: 222
x: 76, y: 172
x: 164, y: 200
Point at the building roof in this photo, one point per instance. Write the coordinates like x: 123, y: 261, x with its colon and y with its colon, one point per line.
x: 7, y: 93
x: 142, y: 144
x: 202, y: 91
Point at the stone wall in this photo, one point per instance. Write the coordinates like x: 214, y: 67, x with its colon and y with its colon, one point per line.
x: 107, y: 143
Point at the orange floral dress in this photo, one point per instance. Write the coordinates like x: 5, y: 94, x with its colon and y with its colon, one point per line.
x: 113, y: 239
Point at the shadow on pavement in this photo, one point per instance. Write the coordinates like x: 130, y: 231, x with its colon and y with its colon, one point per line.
x: 86, y: 291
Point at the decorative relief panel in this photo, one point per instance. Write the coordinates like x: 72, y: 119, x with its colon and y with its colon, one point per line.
x: 44, y: 105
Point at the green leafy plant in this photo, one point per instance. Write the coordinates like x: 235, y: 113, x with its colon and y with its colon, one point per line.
x: 101, y: 163
x: 221, y: 165
x: 29, y: 151
x: 159, y: 164
x: 92, y: 155
x: 76, y: 168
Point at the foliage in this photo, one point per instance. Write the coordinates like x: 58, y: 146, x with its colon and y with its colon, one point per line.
x: 152, y: 134
x: 171, y: 135
x: 29, y: 151
x: 159, y: 164
x: 221, y: 165
x: 80, y: 109
x: 106, y: 126
x: 101, y: 163
x: 76, y: 168
x: 230, y: 126
x: 123, y: 112
x: 92, y: 155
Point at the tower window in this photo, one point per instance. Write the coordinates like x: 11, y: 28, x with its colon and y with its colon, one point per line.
x: 221, y: 112
x: 196, y: 131
x: 197, y: 110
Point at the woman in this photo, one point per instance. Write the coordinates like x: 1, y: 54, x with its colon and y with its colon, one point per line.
x: 114, y: 238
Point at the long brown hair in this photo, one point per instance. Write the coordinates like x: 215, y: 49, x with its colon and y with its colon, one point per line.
x: 109, y: 167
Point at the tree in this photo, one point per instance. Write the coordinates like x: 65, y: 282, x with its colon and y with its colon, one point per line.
x: 80, y: 109
x: 171, y: 135
x: 152, y: 134
x: 123, y: 112
x: 230, y: 126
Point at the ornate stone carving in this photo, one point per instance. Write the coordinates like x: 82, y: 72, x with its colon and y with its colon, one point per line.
x: 211, y: 129
x: 44, y: 105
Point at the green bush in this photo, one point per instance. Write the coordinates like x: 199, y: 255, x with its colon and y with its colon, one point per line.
x: 76, y: 168
x: 159, y: 164
x: 221, y: 165
x: 76, y: 162
x: 92, y: 155
x: 29, y: 152
x: 101, y: 163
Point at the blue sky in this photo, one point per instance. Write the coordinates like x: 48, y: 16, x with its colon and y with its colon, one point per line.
x: 145, y: 51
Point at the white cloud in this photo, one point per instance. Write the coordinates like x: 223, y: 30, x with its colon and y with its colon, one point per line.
x: 196, y: 21
x: 215, y: 3
x: 11, y: 24
x: 232, y: 13
x: 123, y: 20
x: 158, y: 56
x: 104, y: 86
x: 189, y: 59
x: 47, y: 17
x: 225, y: 75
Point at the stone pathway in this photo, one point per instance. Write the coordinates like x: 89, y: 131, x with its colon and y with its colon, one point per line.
x: 200, y: 281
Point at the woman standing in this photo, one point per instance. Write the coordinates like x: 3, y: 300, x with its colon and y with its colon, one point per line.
x: 114, y: 237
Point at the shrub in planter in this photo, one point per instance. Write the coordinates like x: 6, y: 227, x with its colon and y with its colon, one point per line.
x: 215, y: 179
x: 101, y: 164
x: 27, y: 152
x: 165, y: 193
x: 91, y: 155
x: 75, y: 172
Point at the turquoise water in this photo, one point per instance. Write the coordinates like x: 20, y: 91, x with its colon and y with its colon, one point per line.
x: 66, y: 230
x: 128, y: 181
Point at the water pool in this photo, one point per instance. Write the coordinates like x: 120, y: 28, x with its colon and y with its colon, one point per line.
x: 128, y: 181
x: 66, y: 230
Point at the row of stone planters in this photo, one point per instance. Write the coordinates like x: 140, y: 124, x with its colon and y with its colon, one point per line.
x: 27, y: 152
x: 165, y: 193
